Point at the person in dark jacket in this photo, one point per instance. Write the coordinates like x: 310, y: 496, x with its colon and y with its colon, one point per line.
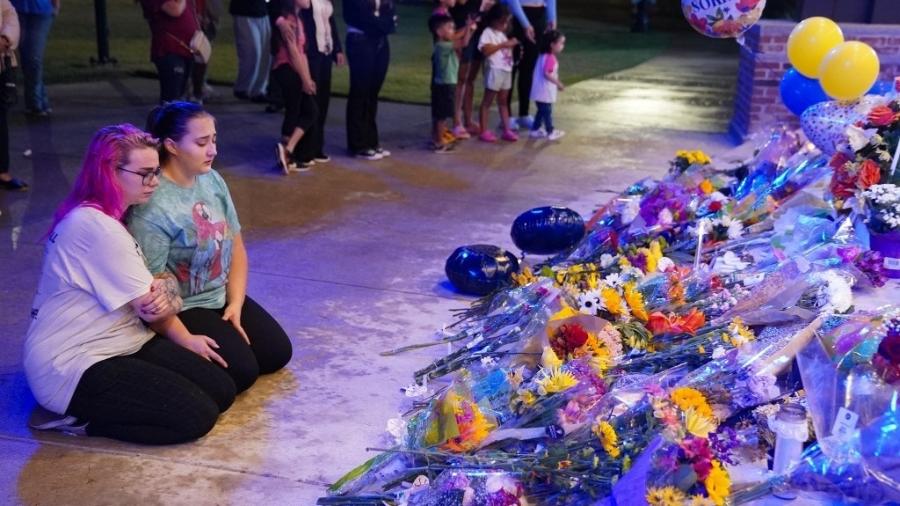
x: 323, y: 49
x: 369, y: 22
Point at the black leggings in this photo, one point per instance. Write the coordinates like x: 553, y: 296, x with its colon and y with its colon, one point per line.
x: 269, y: 350
x: 300, y: 109
x: 537, y: 16
x: 313, y: 145
x: 163, y: 394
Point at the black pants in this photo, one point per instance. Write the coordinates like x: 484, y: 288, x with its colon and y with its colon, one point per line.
x: 174, y: 72
x: 269, y: 349
x: 299, y: 108
x: 4, y: 140
x: 163, y: 394
x: 368, y: 57
x: 529, y: 53
x: 313, y: 144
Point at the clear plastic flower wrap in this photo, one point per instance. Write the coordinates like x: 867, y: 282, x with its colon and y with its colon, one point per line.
x: 854, y: 411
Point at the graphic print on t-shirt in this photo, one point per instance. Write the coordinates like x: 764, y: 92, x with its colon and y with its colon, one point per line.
x: 206, y: 263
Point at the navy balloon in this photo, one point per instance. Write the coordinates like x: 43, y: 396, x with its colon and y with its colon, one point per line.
x: 547, y: 230
x: 881, y: 87
x: 799, y: 92
x: 480, y: 269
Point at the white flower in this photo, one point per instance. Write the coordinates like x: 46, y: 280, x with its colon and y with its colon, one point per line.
x: 729, y: 263
x: 836, y: 291
x: 396, y: 427
x: 488, y: 361
x: 665, y: 217
x: 606, y: 260
x: 417, y: 390
x: 497, y: 482
x: 718, y: 352
x: 590, y: 302
x: 735, y: 229
x: 664, y: 264
x: 631, y: 210
x: 614, y: 280
x: 859, y: 137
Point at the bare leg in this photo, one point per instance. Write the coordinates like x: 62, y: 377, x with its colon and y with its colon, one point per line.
x: 291, y: 142
x: 469, y: 96
x: 486, y: 107
x: 503, y: 105
x: 460, y: 92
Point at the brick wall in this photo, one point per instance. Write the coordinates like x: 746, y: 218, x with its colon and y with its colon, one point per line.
x: 757, y: 105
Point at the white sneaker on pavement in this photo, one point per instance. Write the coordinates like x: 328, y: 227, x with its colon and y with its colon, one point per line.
x: 555, y: 135
x: 540, y: 133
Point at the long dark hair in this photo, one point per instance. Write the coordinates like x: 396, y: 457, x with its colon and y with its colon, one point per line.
x: 549, y: 39
x: 280, y: 8
x: 169, y: 121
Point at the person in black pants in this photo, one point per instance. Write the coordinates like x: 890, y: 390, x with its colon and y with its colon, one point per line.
x: 369, y: 22
x: 323, y: 49
x: 9, y: 39
x: 88, y: 354
x: 531, y: 19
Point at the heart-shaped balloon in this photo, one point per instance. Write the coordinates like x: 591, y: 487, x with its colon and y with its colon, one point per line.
x: 825, y: 123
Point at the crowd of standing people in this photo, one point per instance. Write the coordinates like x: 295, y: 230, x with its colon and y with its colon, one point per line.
x: 141, y: 327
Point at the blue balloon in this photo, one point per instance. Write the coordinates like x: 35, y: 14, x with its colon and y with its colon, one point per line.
x: 882, y: 87
x: 799, y: 92
x: 547, y: 230
x: 480, y: 269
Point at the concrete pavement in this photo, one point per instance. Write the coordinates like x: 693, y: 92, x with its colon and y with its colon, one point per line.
x: 348, y: 257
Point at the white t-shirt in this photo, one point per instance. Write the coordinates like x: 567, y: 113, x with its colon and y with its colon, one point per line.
x: 543, y: 90
x: 80, y: 315
x: 502, y: 59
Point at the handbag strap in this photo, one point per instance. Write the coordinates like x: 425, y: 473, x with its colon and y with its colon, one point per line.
x: 193, y: 7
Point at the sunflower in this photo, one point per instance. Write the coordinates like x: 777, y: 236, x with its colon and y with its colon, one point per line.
x: 612, y: 301
x: 699, y: 500
x: 549, y: 359
x: 718, y: 484
x: 557, y: 381
x: 608, y: 438
x: 525, y: 277
x: 635, y: 301
x: 665, y: 496
x: 698, y: 424
x: 686, y: 398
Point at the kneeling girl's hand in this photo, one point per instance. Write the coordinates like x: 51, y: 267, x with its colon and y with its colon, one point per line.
x: 202, y: 345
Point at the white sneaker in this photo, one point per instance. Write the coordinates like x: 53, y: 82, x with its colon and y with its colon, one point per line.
x: 540, y: 133
x: 383, y: 152
x: 555, y: 135
x: 513, y: 125
x: 525, y: 122
x: 67, y: 424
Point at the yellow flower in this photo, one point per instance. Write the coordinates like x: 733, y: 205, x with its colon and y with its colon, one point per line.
x: 593, y: 281
x: 718, y: 484
x: 557, y: 381
x: 706, y: 186
x: 528, y: 398
x: 686, y: 398
x: 701, y: 350
x: 697, y: 157
x: 473, y: 426
x: 697, y: 424
x: 699, y: 500
x: 608, y: 438
x: 665, y: 496
x: 612, y: 301
x: 626, y: 464
x: 549, y: 360
x: 525, y: 277
x: 635, y: 301
x: 623, y: 262
x: 738, y: 333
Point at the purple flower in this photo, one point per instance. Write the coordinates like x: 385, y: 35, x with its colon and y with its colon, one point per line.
x: 723, y: 444
x: 872, y: 264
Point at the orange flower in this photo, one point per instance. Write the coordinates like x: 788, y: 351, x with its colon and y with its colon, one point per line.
x: 659, y: 323
x: 869, y: 174
x: 881, y: 115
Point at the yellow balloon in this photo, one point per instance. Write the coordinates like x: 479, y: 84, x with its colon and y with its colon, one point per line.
x: 810, y: 41
x: 849, y: 70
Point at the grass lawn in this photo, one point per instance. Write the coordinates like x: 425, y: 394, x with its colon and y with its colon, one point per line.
x: 593, y: 47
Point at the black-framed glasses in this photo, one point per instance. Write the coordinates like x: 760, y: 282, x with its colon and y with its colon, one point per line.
x: 146, y: 177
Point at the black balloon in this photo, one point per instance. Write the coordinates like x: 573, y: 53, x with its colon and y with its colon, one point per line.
x: 547, y: 230
x: 480, y: 269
